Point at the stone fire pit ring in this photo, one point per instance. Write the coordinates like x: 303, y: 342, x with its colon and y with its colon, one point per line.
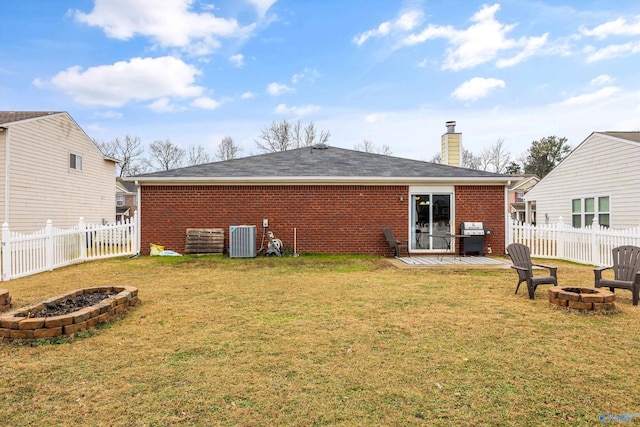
x: 22, y: 323
x: 582, y: 298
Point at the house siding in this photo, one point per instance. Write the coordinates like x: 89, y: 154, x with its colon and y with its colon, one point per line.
x: 339, y: 219
x: 41, y: 184
x: 600, y: 166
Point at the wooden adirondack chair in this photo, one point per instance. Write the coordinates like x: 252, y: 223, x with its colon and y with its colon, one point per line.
x: 626, y: 270
x: 395, y: 245
x: 521, y: 258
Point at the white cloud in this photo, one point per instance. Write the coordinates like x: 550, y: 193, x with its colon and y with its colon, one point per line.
x: 302, y: 110
x: 477, y: 88
x: 170, y: 23
x: 110, y: 114
x: 601, y: 80
x: 407, y: 21
x: 248, y: 95
x: 206, y: 103
x: 237, y: 60
x: 485, y: 40
x: 532, y: 46
x: 139, y: 79
x: 262, y: 6
x: 277, y: 89
x: 612, y: 51
x: 163, y: 105
x: 590, y: 98
x: 618, y: 27
x: 309, y: 74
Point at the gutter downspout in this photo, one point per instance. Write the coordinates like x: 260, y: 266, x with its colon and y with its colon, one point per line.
x: 138, y: 214
x: 7, y: 152
x: 507, y: 216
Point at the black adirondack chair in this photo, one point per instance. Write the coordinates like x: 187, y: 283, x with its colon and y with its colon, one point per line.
x: 521, y: 258
x: 395, y: 245
x: 626, y: 270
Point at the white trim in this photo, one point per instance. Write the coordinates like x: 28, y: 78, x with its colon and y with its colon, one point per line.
x: 280, y: 180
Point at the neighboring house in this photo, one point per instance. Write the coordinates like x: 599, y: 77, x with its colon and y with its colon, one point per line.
x: 517, y: 190
x: 126, y: 199
x: 598, y: 179
x: 51, y: 169
x: 331, y: 199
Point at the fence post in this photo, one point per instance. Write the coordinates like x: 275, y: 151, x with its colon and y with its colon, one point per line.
x: 6, y: 252
x: 136, y: 233
x: 82, y: 227
x: 49, y: 244
x: 560, y: 238
x: 595, y: 242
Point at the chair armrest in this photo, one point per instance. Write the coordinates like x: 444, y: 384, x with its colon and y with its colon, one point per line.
x: 525, y: 270
x: 552, y: 270
x: 598, y: 272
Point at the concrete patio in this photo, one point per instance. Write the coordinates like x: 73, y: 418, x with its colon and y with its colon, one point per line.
x: 451, y: 261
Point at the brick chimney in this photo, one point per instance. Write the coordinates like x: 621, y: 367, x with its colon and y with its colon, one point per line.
x: 451, y: 146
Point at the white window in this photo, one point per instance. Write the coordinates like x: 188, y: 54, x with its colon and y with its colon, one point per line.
x: 520, y: 197
x: 119, y: 200
x: 584, y: 210
x: 75, y: 162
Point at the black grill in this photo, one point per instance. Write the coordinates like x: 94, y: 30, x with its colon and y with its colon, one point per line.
x: 474, y: 243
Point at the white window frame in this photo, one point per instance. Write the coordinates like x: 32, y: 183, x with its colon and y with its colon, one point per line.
x: 75, y: 162
x: 595, y: 213
x: 119, y: 200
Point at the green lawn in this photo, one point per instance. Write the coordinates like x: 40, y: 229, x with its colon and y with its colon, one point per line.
x: 318, y: 340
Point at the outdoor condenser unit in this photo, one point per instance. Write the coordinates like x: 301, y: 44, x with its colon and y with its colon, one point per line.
x: 242, y: 241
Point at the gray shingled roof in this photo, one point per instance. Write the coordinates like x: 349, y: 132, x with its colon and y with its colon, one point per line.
x: 631, y: 136
x: 317, y: 162
x: 16, y: 116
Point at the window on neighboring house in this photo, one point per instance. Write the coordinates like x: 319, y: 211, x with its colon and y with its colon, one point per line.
x: 584, y: 210
x: 119, y: 200
x: 75, y: 162
x: 520, y: 197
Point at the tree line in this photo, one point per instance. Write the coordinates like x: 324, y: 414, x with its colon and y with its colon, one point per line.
x: 539, y: 159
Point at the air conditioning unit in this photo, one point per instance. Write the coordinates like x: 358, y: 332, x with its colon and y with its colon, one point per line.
x: 242, y: 241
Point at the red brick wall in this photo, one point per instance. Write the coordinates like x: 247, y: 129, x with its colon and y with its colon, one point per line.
x: 329, y: 218
x: 483, y: 203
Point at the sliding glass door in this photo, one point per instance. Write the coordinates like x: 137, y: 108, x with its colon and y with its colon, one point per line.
x: 430, y: 217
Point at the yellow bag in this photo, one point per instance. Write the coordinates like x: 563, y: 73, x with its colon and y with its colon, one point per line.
x: 155, y: 249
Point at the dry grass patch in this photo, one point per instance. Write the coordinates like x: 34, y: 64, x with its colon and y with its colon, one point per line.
x: 322, y: 341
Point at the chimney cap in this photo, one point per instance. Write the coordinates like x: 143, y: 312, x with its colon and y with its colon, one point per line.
x: 450, y: 123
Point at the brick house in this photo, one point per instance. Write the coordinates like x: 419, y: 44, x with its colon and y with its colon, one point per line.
x: 126, y: 199
x: 336, y: 200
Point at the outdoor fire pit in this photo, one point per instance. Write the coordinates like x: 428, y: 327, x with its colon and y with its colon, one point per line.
x: 68, y: 313
x: 582, y: 298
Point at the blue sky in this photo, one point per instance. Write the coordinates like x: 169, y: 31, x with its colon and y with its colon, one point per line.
x: 391, y: 72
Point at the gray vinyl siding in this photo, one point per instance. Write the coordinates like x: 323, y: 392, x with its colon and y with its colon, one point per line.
x: 600, y: 166
x: 41, y: 184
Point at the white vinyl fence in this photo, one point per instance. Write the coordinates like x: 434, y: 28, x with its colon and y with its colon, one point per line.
x: 589, y: 245
x: 49, y: 248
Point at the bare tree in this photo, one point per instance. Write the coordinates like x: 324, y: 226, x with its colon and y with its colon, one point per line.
x: 128, y: 151
x: 227, y: 149
x: 197, y: 155
x: 366, y: 145
x: 369, y: 146
x: 284, y: 136
x: 470, y: 160
x: 496, y: 156
x: 165, y: 155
